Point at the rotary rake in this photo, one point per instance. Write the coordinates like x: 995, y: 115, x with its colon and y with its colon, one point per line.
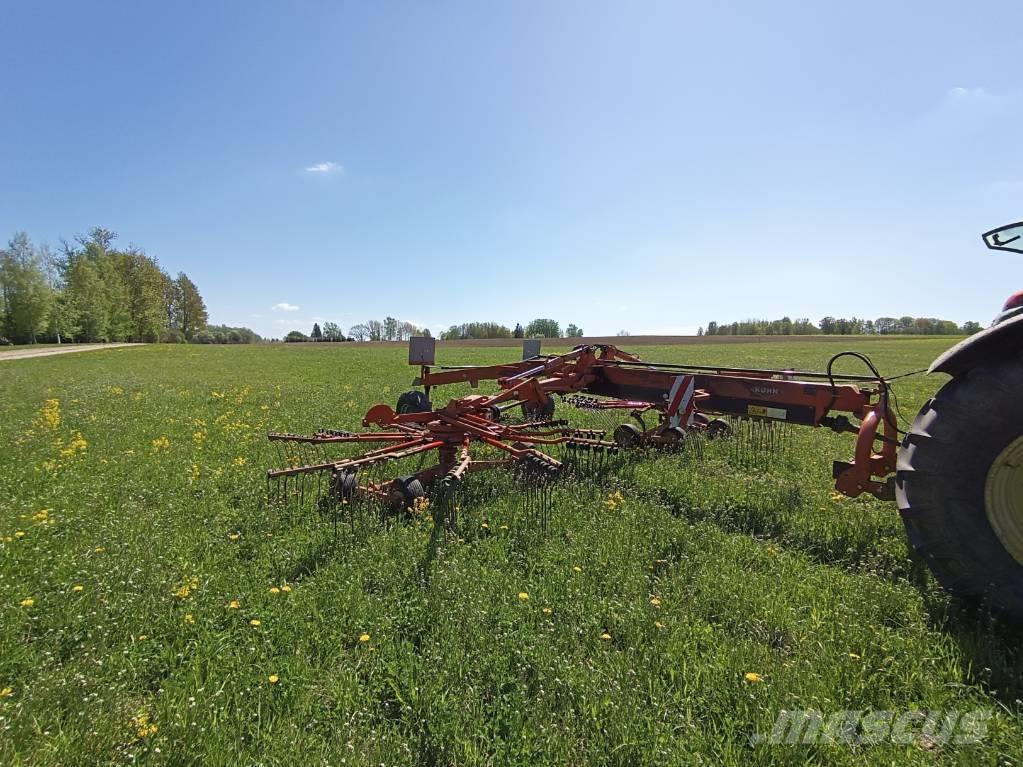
x: 414, y: 452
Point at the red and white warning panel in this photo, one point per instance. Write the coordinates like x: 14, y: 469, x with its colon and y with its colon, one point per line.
x: 680, y: 400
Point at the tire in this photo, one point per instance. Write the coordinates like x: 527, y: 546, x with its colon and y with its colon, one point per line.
x: 404, y: 492
x: 413, y: 402
x: 946, y: 465
x: 719, y: 428
x: 543, y: 413
x: 628, y: 436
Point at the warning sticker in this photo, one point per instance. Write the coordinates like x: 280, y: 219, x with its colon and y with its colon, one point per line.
x: 766, y: 412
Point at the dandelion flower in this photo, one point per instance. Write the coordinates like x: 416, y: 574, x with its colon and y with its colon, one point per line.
x: 752, y: 677
x: 234, y: 604
x: 239, y: 461
x: 233, y: 536
x: 606, y: 637
x: 100, y: 549
x: 286, y: 588
x: 19, y: 534
x: 504, y: 527
x: 658, y: 624
x: 273, y: 679
x: 78, y: 588
x: 854, y: 656
x: 27, y: 602
x: 255, y: 622
x: 485, y: 526
x: 143, y: 637
x: 523, y: 596
x: 547, y: 611
x: 577, y: 569
x: 6, y: 692
x: 655, y: 601
x: 274, y: 590
x: 364, y: 638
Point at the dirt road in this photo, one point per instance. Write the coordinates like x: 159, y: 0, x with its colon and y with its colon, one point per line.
x: 21, y: 352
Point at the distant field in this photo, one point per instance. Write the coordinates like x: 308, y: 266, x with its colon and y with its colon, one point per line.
x: 155, y: 609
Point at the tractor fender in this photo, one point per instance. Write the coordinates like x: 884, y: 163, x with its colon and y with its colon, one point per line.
x: 991, y: 343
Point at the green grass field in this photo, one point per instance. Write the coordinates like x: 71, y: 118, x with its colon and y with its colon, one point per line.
x: 155, y: 609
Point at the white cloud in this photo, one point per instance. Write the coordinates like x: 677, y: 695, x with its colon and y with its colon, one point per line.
x: 325, y: 167
x: 284, y: 306
x: 959, y: 93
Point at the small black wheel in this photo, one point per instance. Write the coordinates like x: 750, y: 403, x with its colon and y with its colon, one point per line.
x: 343, y: 485
x: 959, y: 484
x: 404, y: 492
x: 700, y: 419
x: 627, y: 435
x: 495, y: 413
x: 718, y: 428
x: 542, y: 413
x: 413, y: 402
x: 674, y: 438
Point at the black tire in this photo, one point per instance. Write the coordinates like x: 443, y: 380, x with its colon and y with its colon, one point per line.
x: 413, y: 402
x: 718, y: 428
x: 628, y: 436
x: 404, y: 492
x: 343, y: 485
x: 943, y: 467
x: 542, y: 413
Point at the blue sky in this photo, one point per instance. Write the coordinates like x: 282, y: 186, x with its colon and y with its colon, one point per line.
x: 640, y: 166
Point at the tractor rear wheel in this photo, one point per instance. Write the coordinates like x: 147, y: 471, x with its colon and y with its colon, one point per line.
x: 959, y: 484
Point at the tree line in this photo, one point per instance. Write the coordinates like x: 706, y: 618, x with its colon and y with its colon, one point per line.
x: 91, y: 291
x: 907, y: 325
x: 538, y: 328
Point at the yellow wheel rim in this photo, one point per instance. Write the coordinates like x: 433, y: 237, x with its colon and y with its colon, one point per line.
x: 1003, y: 498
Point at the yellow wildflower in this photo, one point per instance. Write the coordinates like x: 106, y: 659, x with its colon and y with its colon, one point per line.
x: 75, y: 446
x: 78, y: 588
x: 185, y: 589
x: 255, y: 623
x: 273, y: 679
x: 655, y: 601
x: 547, y: 611
x: 6, y: 692
x: 42, y: 515
x: 234, y: 604
x: 658, y: 624
x: 274, y: 590
x: 161, y: 443
x: 239, y: 461
x: 49, y: 415
x: 144, y: 728
x: 605, y: 637
x: 364, y: 638
x: 286, y: 588
x: 523, y: 596
x: 143, y: 637
x: 854, y: 656
x: 577, y: 569
x: 233, y: 536
x: 19, y: 534
x: 752, y: 677
x: 27, y: 602
x: 188, y: 618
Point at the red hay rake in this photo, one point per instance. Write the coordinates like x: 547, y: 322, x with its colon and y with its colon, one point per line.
x: 415, y: 450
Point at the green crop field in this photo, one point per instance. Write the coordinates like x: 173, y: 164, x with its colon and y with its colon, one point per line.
x: 155, y: 609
